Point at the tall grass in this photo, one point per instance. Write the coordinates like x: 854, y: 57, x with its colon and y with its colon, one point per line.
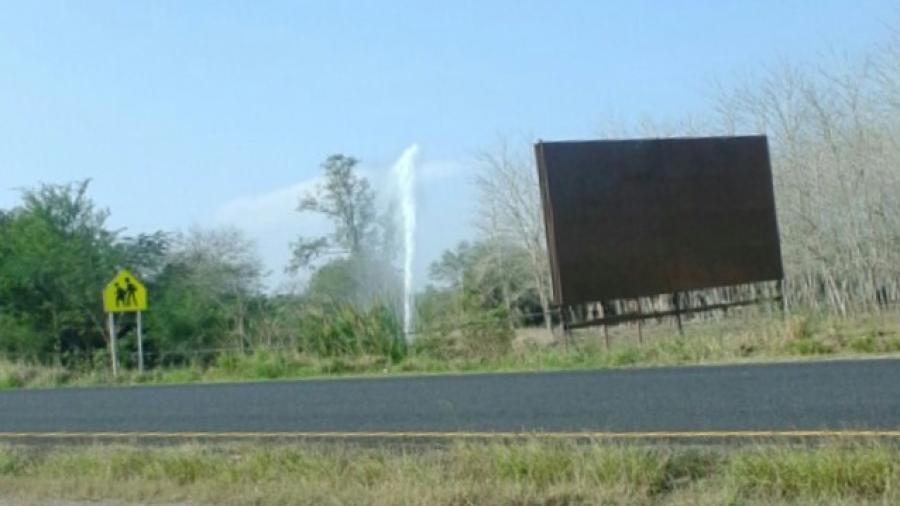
x: 522, y: 472
x: 749, y: 338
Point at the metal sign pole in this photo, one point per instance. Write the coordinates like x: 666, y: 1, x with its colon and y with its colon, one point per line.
x: 140, y: 339
x: 640, y: 312
x: 112, y: 344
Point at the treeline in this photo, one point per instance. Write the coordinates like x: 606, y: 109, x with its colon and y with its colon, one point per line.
x: 57, y: 252
x: 835, y: 137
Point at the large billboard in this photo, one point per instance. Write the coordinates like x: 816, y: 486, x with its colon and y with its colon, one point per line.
x: 632, y: 218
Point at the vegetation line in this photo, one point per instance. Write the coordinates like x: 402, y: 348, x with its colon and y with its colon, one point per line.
x: 756, y: 435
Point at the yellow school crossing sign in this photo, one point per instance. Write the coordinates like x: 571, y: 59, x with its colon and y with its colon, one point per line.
x: 124, y: 294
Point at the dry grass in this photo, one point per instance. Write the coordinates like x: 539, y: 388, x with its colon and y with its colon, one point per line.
x: 523, y: 473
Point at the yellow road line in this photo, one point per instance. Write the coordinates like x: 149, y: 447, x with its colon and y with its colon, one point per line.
x: 762, y: 434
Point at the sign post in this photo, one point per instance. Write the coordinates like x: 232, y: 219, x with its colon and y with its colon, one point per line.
x: 125, y: 294
x: 113, y: 358
x: 140, y: 338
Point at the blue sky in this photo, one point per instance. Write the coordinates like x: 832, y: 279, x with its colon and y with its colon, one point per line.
x: 206, y: 113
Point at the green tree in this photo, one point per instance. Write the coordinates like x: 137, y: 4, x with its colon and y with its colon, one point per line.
x: 336, y: 280
x: 56, y: 255
x: 450, y: 269
x: 358, y: 252
x: 348, y: 201
x: 487, y: 277
x: 486, y: 285
x: 206, y: 294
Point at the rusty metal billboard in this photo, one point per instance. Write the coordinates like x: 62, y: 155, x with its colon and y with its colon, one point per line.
x: 632, y: 218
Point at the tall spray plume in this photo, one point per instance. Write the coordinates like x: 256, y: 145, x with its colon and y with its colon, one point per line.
x: 405, y: 174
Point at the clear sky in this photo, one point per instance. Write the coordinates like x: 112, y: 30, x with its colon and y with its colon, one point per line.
x: 211, y: 112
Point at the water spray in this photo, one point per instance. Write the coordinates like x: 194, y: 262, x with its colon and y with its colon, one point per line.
x: 405, y: 174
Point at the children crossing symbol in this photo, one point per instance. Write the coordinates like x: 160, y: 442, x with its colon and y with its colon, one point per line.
x: 124, y: 294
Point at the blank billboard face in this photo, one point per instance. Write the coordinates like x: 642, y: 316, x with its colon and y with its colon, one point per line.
x: 632, y: 218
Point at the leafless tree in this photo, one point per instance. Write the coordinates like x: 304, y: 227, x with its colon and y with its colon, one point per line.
x: 835, y: 142
x: 509, y: 209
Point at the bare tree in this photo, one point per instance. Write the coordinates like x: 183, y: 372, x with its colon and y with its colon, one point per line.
x: 509, y: 209
x: 835, y: 151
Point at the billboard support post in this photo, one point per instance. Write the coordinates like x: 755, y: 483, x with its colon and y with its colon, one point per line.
x: 676, y: 300
x: 640, y: 313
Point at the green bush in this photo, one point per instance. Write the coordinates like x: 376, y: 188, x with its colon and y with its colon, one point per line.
x: 810, y: 346
x: 625, y: 356
x: 484, y: 335
x: 864, y: 344
x: 341, y: 329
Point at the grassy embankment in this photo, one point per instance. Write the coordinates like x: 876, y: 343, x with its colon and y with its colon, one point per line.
x: 523, y: 472
x: 748, y: 338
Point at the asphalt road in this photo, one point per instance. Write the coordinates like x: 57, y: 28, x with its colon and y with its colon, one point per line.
x: 832, y: 395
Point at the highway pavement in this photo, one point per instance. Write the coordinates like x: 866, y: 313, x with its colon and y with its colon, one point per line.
x: 841, y: 395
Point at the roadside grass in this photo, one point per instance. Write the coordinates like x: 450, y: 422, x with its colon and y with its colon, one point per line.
x: 529, y: 472
x: 744, y: 338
